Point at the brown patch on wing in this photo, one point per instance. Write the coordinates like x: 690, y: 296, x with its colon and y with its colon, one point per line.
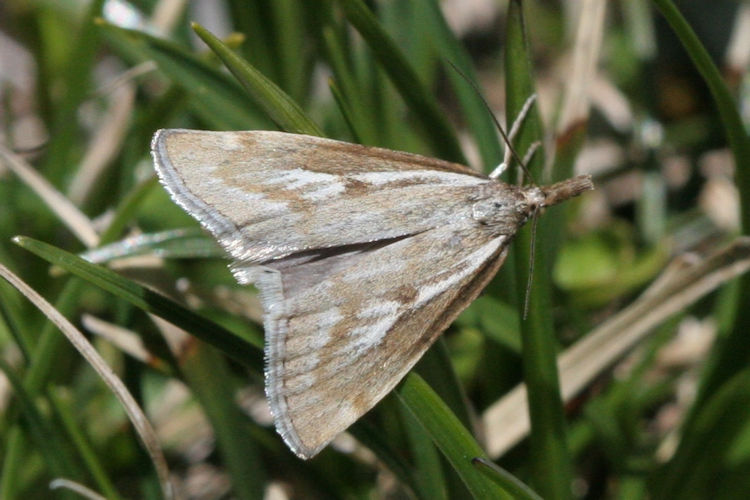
x: 388, y: 159
x: 406, y: 294
x: 317, y: 154
x: 356, y: 187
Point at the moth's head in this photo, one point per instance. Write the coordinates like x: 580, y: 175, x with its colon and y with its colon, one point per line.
x: 504, y: 208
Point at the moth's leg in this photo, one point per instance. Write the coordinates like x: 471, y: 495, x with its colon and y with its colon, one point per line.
x: 515, y: 128
x: 499, y: 170
x: 521, y: 117
x: 530, y: 152
x: 525, y: 160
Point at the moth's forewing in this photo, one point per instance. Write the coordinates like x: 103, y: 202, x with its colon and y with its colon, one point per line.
x: 265, y: 195
x: 362, y: 256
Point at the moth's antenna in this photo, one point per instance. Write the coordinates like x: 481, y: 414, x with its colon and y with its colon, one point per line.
x: 532, y: 251
x: 500, y: 129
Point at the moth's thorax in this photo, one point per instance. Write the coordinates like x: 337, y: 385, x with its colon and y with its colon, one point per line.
x: 501, y: 208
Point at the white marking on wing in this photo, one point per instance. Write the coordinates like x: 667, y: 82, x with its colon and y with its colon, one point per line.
x: 298, y: 178
x: 213, y: 186
x: 303, y: 348
x: 297, y: 383
x: 346, y: 412
x: 474, y: 260
x: 454, y: 179
x: 301, y: 366
x: 324, y: 192
x: 369, y: 335
x: 229, y: 141
x: 386, y: 308
x: 323, y: 328
x: 364, y: 273
x: 358, y: 274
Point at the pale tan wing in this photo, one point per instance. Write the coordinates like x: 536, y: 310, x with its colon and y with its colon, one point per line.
x: 337, y: 343
x: 266, y: 195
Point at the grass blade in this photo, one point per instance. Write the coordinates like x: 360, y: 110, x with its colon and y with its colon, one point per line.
x: 479, y: 121
x: 505, y: 479
x: 734, y: 353
x: 76, y: 85
x: 47, y: 440
x: 550, y: 462
x: 244, y: 351
x: 145, y: 431
x: 456, y: 443
x: 418, y: 98
x: 280, y: 107
x: 217, y: 98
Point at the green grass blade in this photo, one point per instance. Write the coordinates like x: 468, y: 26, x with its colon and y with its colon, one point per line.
x: 76, y: 85
x: 217, y: 98
x: 48, y: 442
x: 51, y: 350
x: 436, y: 368
x: 208, y: 376
x: 252, y: 18
x: 243, y: 350
x: 505, y: 479
x: 418, y: 98
x: 734, y: 353
x: 12, y: 313
x: 94, y: 465
x: 279, y: 106
x: 126, y: 210
x: 478, y: 119
x: 550, y: 461
x: 456, y: 443
x: 349, y: 116
x: 347, y: 91
x: 290, y: 41
x: 173, y: 243
x: 428, y: 470
x: 373, y: 439
x: 235, y: 445
x: 705, y: 451
x: 739, y: 140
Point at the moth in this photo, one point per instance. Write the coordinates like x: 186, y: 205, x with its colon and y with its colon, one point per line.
x: 362, y: 256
